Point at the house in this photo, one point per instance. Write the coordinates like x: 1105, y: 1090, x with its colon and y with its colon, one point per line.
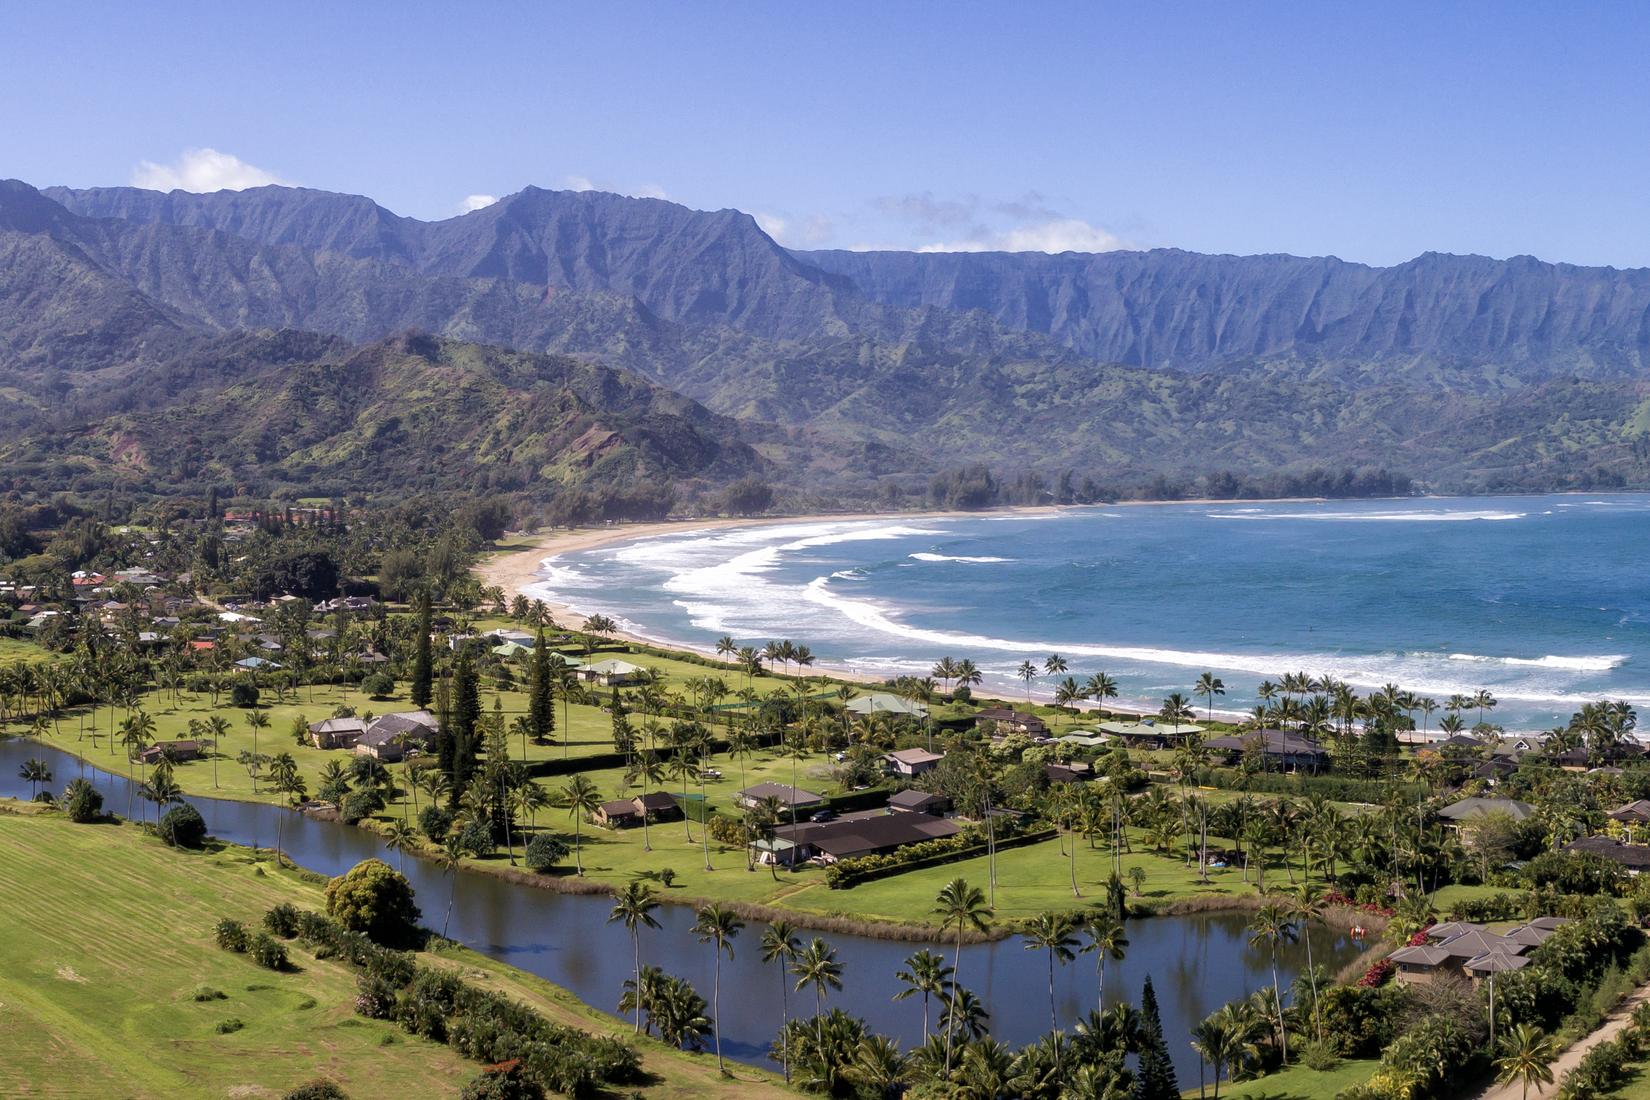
x: 879, y: 702
x: 1467, y: 949
x: 1001, y: 721
x: 512, y: 649
x: 1147, y: 734
x: 913, y: 801
x: 1068, y: 773
x: 612, y: 673
x: 791, y: 798
x: 1632, y: 858
x: 852, y: 837
x: 1418, y: 964
x: 911, y: 763
x: 1458, y: 813
x: 256, y: 664
x: 1495, y: 769
x: 1636, y: 812
x: 1282, y: 748
x: 175, y: 751
x: 389, y: 737
x: 336, y: 733
x: 654, y: 806
x: 505, y: 635
x: 1492, y: 963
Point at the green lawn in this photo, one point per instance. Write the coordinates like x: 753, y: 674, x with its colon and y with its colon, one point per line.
x: 108, y: 933
x: 1295, y: 1083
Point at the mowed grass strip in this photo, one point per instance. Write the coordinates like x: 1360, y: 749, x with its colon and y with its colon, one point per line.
x: 107, y: 933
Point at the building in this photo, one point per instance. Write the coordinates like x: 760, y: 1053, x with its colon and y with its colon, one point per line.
x: 652, y: 806
x: 1068, y: 773
x: 1281, y: 749
x: 389, y: 737
x: 879, y: 702
x: 175, y: 751
x: 1632, y: 858
x: 791, y: 798
x: 1001, y: 721
x: 910, y: 763
x: 612, y: 673
x: 852, y: 837
x: 1459, y: 949
x: 1147, y: 734
x: 336, y: 733
x: 1636, y: 812
x: 913, y: 801
x: 1459, y: 813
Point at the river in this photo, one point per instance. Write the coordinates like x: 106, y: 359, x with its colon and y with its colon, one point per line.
x: 1196, y: 962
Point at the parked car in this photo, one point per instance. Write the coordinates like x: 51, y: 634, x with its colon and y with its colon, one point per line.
x: 823, y: 816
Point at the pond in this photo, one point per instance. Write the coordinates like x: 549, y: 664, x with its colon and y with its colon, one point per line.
x: 1196, y: 962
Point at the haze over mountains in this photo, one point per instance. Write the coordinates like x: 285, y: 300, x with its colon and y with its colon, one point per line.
x: 825, y: 369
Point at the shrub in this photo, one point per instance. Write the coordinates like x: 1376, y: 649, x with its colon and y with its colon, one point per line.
x: 282, y: 920
x: 1424, y: 1060
x: 182, y: 827
x: 357, y: 806
x: 244, y: 694
x: 318, y: 1089
x: 1359, y: 1021
x: 374, y: 998
x: 379, y: 685
x: 546, y: 850
x: 501, y: 1083
x: 231, y: 935
x: 436, y: 823
x: 82, y: 802
x: 268, y: 952
x: 374, y: 899
x: 476, y: 837
x: 204, y: 993
x: 229, y: 1026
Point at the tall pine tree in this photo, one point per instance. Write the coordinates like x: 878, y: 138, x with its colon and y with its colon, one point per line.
x: 1155, y: 1079
x: 422, y: 673
x: 466, y: 719
x: 541, y: 700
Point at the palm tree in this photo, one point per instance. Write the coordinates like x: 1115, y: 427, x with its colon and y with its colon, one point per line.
x: 634, y: 906
x: 646, y: 768
x: 217, y: 728
x: 925, y: 973
x: 1027, y: 672
x: 1271, y: 929
x: 257, y: 720
x: 816, y: 965
x: 400, y: 839
x: 1307, y: 907
x: 1209, y: 685
x: 449, y: 857
x: 580, y: 798
x: 1104, y: 933
x: 879, y: 1066
x: 1052, y: 932
x: 1054, y: 664
x: 1100, y: 687
x: 780, y: 945
x: 34, y: 773
x: 963, y: 906
x: 716, y: 925
x: 1528, y: 1058
x: 726, y: 647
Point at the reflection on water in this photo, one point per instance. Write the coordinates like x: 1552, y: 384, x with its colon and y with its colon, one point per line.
x: 1197, y: 962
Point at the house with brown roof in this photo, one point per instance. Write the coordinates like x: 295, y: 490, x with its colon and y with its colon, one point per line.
x: 910, y: 763
x: 176, y: 751
x: 1002, y: 721
x: 653, y: 806
x: 336, y: 733
x: 913, y: 801
x: 852, y: 837
x: 790, y: 798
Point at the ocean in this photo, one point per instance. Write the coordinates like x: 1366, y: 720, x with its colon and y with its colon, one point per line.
x: 1541, y: 600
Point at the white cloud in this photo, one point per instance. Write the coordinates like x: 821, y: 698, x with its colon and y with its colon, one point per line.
x: 581, y: 183
x: 472, y: 203
x: 1057, y: 235
x: 203, y: 170
x: 795, y: 234
x: 585, y: 183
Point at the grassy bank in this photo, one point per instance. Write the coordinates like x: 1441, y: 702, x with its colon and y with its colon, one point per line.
x: 108, y: 936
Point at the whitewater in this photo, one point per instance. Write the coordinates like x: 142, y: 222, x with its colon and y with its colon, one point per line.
x: 1538, y: 600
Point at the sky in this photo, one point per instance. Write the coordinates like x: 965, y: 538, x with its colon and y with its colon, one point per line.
x: 1372, y: 132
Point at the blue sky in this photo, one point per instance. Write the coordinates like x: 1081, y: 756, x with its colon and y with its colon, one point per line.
x: 1371, y: 132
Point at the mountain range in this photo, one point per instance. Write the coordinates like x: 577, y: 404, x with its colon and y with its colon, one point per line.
x: 697, y: 350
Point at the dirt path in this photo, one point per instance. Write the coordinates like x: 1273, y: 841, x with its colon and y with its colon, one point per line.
x: 1573, y: 1054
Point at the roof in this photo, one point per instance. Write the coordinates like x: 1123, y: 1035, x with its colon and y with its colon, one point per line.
x: 1453, y: 928
x: 1529, y: 936
x: 1549, y: 922
x: 1004, y: 714
x: 1470, y: 945
x: 255, y: 662
x: 1087, y: 740
x: 913, y: 799
x: 338, y: 725
x: 415, y: 725
x: 1274, y: 742
x: 613, y: 667
x: 1476, y: 807
x: 656, y: 800
x: 511, y: 649
x: 879, y: 702
x: 1494, y: 962
x: 1148, y: 727
x: 1634, y: 856
x: 913, y: 757
x: 858, y: 836
x: 619, y: 807
x: 788, y: 795
x: 1636, y: 810
x: 1461, y: 740
x: 1420, y: 956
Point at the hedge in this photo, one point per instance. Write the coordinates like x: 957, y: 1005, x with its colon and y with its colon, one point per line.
x: 847, y: 873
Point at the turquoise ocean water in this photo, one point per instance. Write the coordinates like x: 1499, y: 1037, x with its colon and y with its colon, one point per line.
x: 1543, y: 600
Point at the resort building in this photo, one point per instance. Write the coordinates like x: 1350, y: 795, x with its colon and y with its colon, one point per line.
x: 851, y: 837
x: 652, y: 806
x: 388, y: 738
x: 1147, y: 734
x: 1002, y: 721
x: 1461, y: 949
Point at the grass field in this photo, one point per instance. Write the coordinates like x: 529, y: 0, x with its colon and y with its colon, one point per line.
x: 1295, y: 1083
x: 107, y: 936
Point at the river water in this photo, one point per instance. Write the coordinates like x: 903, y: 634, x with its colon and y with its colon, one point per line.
x: 1196, y: 962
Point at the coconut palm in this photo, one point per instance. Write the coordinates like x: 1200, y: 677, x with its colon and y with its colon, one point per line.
x: 645, y: 767
x: 1100, y: 687
x: 1307, y: 907
x: 401, y: 838
x: 925, y: 973
x: 716, y: 925
x: 961, y: 906
x: 34, y: 772
x: 816, y: 965
x: 780, y: 945
x: 1052, y: 933
x: 449, y: 857
x: 1104, y: 933
x: 1209, y: 685
x: 1054, y: 664
x: 634, y: 906
x: 1271, y: 928
x: 580, y: 798
x: 1027, y: 672
x: 1528, y: 1057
